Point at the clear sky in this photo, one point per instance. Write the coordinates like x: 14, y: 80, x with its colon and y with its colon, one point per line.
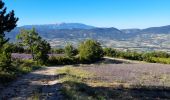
x: 103, y: 13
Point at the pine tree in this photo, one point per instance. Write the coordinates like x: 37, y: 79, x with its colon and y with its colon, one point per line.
x: 7, y: 23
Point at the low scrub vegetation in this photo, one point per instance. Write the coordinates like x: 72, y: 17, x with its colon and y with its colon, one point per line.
x: 152, y: 57
x: 160, y: 60
x: 89, y: 51
x: 62, y: 60
x: 17, y: 68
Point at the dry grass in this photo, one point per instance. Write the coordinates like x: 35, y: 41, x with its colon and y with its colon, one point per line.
x: 116, y: 81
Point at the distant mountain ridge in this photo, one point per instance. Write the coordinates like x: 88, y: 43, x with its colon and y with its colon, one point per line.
x: 60, y: 26
x: 78, y: 30
x: 157, y: 30
x: 74, y: 32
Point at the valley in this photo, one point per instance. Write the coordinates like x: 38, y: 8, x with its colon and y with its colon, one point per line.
x: 58, y: 35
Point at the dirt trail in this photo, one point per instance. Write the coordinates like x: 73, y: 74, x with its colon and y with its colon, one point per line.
x: 31, y: 85
x: 125, y: 60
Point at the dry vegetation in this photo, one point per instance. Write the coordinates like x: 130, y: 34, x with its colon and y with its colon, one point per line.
x: 116, y: 81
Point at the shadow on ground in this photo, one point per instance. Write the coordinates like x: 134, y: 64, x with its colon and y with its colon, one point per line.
x: 112, y: 61
x: 31, y: 87
x: 39, y: 84
x: 84, y: 92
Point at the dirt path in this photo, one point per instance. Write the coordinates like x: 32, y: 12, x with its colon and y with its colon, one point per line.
x: 40, y: 84
x: 125, y: 60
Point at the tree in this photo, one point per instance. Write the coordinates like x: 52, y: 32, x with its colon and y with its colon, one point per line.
x: 39, y: 48
x: 7, y: 23
x: 90, y: 51
x: 16, y: 48
x: 28, y: 39
x: 5, y: 58
x: 69, y: 50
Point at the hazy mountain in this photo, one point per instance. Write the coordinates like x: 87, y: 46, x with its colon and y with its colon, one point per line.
x: 60, y: 26
x: 127, y: 31
x: 157, y: 30
x: 58, y: 34
x: 70, y: 31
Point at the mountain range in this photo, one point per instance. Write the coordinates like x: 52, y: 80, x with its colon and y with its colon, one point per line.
x: 59, y: 34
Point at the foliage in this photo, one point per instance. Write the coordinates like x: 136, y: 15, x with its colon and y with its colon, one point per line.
x: 57, y: 50
x: 16, y: 48
x: 19, y: 67
x: 63, y: 60
x: 152, y: 57
x: 41, y: 51
x: 160, y: 60
x: 7, y: 23
x: 70, y: 51
x: 39, y: 48
x: 90, y: 51
x: 109, y: 52
x: 28, y: 39
x: 5, y: 58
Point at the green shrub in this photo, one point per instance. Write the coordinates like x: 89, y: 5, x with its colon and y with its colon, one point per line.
x: 110, y: 52
x: 5, y: 58
x: 18, y: 67
x: 63, y: 60
x: 90, y: 51
x: 70, y: 51
x: 160, y: 60
x: 132, y: 55
x: 57, y: 50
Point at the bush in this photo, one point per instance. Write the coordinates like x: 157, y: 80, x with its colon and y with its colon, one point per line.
x: 5, y: 58
x: 109, y: 52
x: 70, y: 51
x: 57, y: 50
x: 132, y: 55
x: 159, y: 60
x: 63, y: 60
x: 90, y: 51
x: 19, y: 67
x: 121, y: 54
x: 16, y: 48
x: 152, y: 57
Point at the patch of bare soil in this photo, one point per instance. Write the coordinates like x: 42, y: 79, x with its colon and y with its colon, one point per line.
x: 41, y: 84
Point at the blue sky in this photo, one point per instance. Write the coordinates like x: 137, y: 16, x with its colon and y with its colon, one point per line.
x: 103, y: 13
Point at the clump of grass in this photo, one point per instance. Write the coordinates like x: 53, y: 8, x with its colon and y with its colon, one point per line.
x: 36, y: 94
x: 25, y: 66
x: 74, y: 74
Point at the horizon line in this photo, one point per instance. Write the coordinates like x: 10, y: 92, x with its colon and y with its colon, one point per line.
x: 95, y: 26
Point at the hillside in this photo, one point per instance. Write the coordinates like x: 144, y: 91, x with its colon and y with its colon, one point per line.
x: 153, y: 38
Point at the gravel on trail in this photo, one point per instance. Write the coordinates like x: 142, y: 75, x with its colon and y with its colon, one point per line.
x: 29, y: 86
